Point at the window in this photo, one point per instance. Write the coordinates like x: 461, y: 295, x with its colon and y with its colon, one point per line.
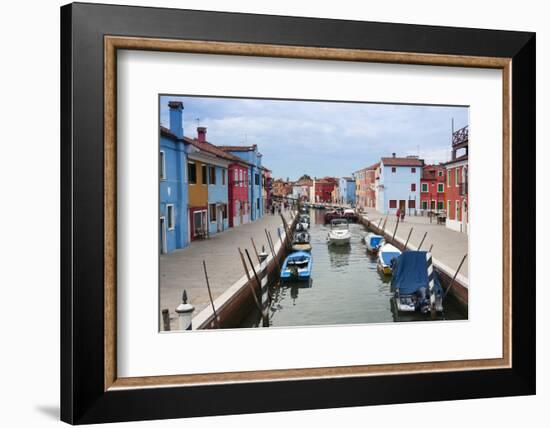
x: 224, y: 211
x: 424, y: 187
x: 424, y: 205
x: 257, y: 179
x: 212, y: 175
x: 440, y: 173
x: 257, y: 203
x: 170, y: 215
x: 440, y: 188
x: 413, y: 170
x: 393, y: 169
x: 412, y: 203
x: 449, y: 178
x: 393, y: 203
x: 192, y: 172
x: 236, y: 176
x: 162, y: 165
x: 212, y: 209
x: 223, y: 176
x: 204, y: 175
x: 440, y: 205
x: 456, y: 176
x: 413, y: 187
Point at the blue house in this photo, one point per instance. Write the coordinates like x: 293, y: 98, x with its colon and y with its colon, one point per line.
x: 251, y: 155
x: 398, y: 184
x: 346, y: 190
x: 173, y: 195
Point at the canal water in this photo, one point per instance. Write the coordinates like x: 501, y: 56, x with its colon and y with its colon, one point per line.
x: 345, y: 288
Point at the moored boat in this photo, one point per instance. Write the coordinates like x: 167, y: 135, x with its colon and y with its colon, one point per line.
x: 301, y: 242
x: 373, y: 242
x: 415, y: 284
x: 386, y: 256
x: 302, y: 226
x: 297, y: 266
x: 339, y: 233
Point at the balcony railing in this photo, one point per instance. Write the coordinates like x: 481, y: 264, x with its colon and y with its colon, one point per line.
x: 460, y: 136
x: 463, y: 188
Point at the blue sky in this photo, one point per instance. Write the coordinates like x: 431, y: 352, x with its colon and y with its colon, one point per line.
x: 321, y: 138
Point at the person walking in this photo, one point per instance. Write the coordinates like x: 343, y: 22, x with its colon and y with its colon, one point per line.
x: 398, y: 214
x: 403, y: 214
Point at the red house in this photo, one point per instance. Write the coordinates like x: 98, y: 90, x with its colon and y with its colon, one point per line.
x: 456, y: 186
x: 432, y: 188
x: 239, y: 207
x: 324, y: 188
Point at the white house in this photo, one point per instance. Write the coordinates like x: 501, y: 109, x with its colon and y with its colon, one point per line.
x: 398, y: 184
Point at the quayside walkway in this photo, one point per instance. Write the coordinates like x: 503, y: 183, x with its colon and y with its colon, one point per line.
x: 183, y: 269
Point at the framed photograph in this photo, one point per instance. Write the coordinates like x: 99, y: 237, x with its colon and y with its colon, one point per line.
x: 276, y: 213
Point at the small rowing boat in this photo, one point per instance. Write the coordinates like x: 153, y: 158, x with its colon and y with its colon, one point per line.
x: 374, y: 242
x: 386, y: 256
x: 297, y: 266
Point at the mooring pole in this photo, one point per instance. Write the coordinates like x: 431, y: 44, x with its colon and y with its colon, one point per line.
x: 210, y: 294
x: 166, y: 319
x: 408, y: 237
x: 258, y: 305
x: 431, y: 284
x: 272, y: 248
x: 454, y: 277
x: 384, y: 225
x: 255, y: 250
x: 394, y: 231
x: 430, y: 250
x: 255, y: 276
x: 421, y: 242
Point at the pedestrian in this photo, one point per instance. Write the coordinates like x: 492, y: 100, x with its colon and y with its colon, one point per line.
x: 398, y: 214
x: 403, y: 215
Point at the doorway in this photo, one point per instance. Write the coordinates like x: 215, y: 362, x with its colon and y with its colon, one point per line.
x: 162, y: 236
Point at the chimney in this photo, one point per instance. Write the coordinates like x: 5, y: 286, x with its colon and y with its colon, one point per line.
x: 393, y: 154
x: 201, y: 134
x: 176, y: 118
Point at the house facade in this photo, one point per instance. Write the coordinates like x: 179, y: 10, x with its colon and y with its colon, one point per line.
x: 323, y: 188
x: 399, y: 184
x: 432, y: 188
x: 365, y: 186
x: 253, y: 158
x: 456, y: 183
x: 238, y: 194
x: 173, y: 194
x: 346, y: 191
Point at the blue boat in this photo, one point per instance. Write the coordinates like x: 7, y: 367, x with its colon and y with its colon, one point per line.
x: 387, y: 254
x: 415, y: 284
x: 297, y: 266
x: 373, y: 242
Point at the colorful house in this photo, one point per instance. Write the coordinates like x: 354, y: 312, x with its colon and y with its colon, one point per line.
x: 346, y: 191
x: 323, y: 188
x: 432, y: 188
x: 456, y: 185
x: 399, y: 184
x: 209, y: 199
x: 251, y: 155
x: 365, y: 186
x: 266, y: 188
x: 239, y: 208
x: 173, y: 195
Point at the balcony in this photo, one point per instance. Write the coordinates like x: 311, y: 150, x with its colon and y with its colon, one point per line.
x: 460, y: 137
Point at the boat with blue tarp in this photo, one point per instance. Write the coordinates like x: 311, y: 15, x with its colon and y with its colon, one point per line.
x: 415, y: 283
x: 386, y: 256
x: 297, y: 266
x: 374, y: 242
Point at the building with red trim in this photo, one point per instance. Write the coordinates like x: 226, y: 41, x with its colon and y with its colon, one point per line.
x: 432, y: 188
x: 456, y: 185
x: 239, y: 205
x: 323, y: 188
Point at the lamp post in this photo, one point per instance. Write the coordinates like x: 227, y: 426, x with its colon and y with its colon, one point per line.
x: 184, y: 311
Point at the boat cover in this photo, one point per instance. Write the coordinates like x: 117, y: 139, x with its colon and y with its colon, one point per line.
x: 387, y: 256
x: 375, y: 240
x: 411, y: 273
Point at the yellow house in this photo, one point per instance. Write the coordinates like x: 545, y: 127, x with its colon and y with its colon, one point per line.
x: 198, y: 198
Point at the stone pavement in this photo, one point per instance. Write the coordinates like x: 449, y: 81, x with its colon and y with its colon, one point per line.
x: 183, y: 269
x: 448, y: 246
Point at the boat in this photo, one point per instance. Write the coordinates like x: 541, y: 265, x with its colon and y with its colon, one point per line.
x: 415, y: 284
x: 304, y: 218
x: 339, y: 233
x: 386, y: 256
x: 302, y: 226
x: 374, y: 242
x: 297, y: 266
x: 301, y: 242
x: 337, y: 213
x: 350, y: 215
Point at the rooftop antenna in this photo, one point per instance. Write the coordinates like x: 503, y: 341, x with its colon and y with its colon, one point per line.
x: 198, y: 119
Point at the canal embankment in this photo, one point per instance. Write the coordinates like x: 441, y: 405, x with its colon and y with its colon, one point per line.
x: 230, y: 287
x: 447, y: 246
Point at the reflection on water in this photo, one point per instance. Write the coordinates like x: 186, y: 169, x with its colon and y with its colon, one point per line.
x: 345, y: 287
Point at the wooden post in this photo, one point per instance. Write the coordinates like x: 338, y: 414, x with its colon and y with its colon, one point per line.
x: 379, y: 223
x: 255, y: 250
x: 421, y: 242
x: 384, y: 225
x: 430, y: 250
x: 166, y: 319
x: 258, y: 305
x: 273, y: 250
x: 454, y: 277
x: 408, y: 237
x: 210, y: 294
x: 254, y: 271
x: 394, y: 232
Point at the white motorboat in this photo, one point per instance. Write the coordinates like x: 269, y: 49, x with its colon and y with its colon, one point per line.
x: 339, y: 233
